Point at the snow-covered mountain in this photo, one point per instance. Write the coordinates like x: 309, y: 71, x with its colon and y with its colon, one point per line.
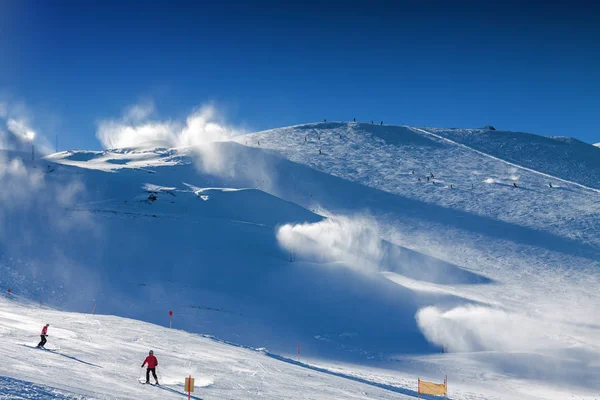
x: 387, y: 252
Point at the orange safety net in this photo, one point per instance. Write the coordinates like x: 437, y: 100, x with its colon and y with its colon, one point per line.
x: 431, y: 388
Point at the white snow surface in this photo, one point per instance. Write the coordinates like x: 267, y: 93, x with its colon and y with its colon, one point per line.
x: 99, y: 357
x: 392, y: 253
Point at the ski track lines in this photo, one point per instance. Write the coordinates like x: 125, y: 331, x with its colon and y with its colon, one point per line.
x: 506, y: 162
x: 17, y: 389
x: 316, y: 368
x: 369, y: 156
x: 117, y: 345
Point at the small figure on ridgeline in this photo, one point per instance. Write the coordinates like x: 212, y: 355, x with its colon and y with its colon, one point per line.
x: 340, y: 135
x: 419, y: 179
x: 304, y: 139
x: 259, y: 142
x: 515, y: 184
x: 371, y: 122
x: 324, y: 120
x: 550, y: 184
x: 354, y: 119
x: 427, y: 179
x: 412, y: 171
x: 472, y: 187
x: 43, y: 335
x: 320, y: 151
x: 451, y: 187
x: 152, y: 364
x: 381, y: 123
x: 432, y: 177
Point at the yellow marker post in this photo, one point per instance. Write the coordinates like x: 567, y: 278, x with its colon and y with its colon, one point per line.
x: 189, y: 386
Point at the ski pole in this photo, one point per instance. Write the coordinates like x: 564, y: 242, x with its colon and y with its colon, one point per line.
x: 158, y: 374
x: 141, y: 372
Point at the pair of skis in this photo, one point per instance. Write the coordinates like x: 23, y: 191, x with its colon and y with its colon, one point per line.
x: 143, y: 382
x: 43, y: 348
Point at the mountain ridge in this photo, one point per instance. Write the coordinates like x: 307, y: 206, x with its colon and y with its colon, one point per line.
x: 374, y: 246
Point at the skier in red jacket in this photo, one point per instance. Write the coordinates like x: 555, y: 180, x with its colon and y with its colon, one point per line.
x: 43, y: 336
x: 152, y: 364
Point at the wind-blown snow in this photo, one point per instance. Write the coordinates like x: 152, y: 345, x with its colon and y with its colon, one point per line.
x: 487, y: 271
x: 137, y: 129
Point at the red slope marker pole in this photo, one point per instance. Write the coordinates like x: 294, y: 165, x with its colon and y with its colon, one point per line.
x: 190, y: 387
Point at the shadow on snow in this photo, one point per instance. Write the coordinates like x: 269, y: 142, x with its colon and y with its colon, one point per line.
x: 64, y: 355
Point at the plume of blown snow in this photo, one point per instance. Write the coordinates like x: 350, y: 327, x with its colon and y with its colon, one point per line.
x: 139, y: 112
x: 353, y: 241
x: 202, y: 133
x: 137, y: 128
x: 16, y: 131
x: 476, y: 328
x: 27, y: 192
x: 20, y: 130
x: 36, y: 223
x: 20, y: 182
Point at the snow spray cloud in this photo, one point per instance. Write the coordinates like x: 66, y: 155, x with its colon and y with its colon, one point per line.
x: 354, y: 241
x: 16, y: 131
x: 27, y: 191
x: 24, y: 181
x: 202, y: 134
x: 136, y: 128
x: 36, y: 226
x: 476, y: 328
x: 513, y: 343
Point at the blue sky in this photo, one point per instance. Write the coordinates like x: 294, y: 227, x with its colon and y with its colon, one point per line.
x: 532, y: 68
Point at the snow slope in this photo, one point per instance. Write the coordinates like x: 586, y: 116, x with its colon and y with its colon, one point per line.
x: 381, y: 274
x: 562, y: 157
x: 524, y: 237
x: 385, y: 158
x: 98, y: 357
